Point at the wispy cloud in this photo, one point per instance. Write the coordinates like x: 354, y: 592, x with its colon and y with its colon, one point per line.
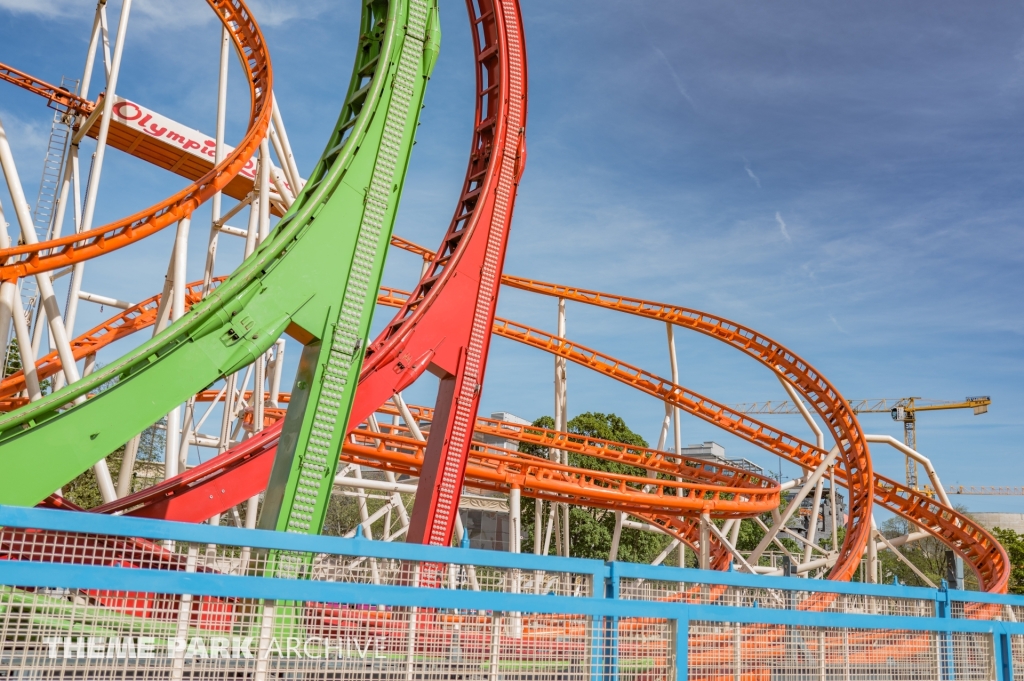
x: 49, y: 9
x: 28, y: 144
x: 157, y: 14
x: 675, y: 78
x: 782, y: 226
x: 839, y: 326
x: 755, y: 178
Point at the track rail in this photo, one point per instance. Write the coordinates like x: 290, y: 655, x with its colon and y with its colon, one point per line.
x: 727, y: 492
x: 982, y: 552
x: 946, y: 524
x: 136, y: 318
x: 444, y: 326
x: 307, y: 278
x: 52, y: 93
x: 28, y: 259
x: 985, y: 555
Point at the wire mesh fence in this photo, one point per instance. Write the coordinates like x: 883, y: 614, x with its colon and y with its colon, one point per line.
x: 73, y: 634
x: 1017, y: 653
x: 631, y: 588
x: 794, y: 653
x: 96, y: 549
x: 505, y: 627
x: 973, y: 610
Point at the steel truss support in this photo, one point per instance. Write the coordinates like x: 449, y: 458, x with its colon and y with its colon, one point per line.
x: 794, y: 504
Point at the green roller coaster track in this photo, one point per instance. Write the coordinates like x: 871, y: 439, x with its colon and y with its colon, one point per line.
x: 315, y: 277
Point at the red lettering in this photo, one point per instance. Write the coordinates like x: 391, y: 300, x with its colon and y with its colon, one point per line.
x: 156, y: 130
x: 175, y: 137
x: 191, y: 144
x: 120, y: 107
x: 146, y: 119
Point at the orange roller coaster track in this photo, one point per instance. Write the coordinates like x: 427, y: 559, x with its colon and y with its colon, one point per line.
x: 29, y: 259
x: 981, y: 551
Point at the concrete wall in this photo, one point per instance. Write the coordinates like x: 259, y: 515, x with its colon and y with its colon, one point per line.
x: 1006, y: 521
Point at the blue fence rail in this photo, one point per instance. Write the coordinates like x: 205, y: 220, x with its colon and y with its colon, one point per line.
x: 89, y: 594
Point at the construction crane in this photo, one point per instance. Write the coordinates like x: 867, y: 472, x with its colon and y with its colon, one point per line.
x: 985, y: 491
x: 901, y: 409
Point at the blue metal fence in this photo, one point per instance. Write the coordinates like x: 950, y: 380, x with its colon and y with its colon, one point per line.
x: 773, y: 627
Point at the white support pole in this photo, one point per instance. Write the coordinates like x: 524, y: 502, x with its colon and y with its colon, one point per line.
x: 45, y: 285
x: 883, y: 540
x: 276, y: 369
x: 11, y: 311
x: 252, y: 231
x: 28, y: 358
x: 90, y: 55
x: 676, y: 432
x: 732, y: 548
x: 108, y: 107
x: 176, y: 295
x: 264, y: 184
x: 549, y: 528
x: 676, y: 413
x: 819, y: 437
x: 190, y: 416
x: 660, y: 558
x: 704, y: 560
x: 812, y: 528
x: 917, y: 456
x: 96, y: 170
x: 105, y: 33
x: 259, y: 393
x: 179, y: 269
x: 228, y: 415
x: 515, y: 520
x: 287, y: 158
x: 28, y: 235
x: 613, y: 554
x: 561, y: 421
x: 218, y: 156
x: 124, y: 476
x: 834, y: 512
x: 410, y: 421
x: 665, y: 425
x: 872, y: 554
x: 734, y: 535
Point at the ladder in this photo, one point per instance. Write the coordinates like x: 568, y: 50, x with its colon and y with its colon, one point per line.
x: 46, y: 204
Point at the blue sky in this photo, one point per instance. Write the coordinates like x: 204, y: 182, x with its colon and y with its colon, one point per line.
x: 845, y: 178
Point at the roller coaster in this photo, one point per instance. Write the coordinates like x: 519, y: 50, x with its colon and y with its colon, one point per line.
x: 315, y: 276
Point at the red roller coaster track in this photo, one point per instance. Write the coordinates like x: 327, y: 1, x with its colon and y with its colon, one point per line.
x: 444, y: 327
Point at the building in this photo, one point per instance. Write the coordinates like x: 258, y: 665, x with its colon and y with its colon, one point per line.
x: 495, y: 441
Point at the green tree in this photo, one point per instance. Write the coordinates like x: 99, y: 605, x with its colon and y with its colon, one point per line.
x: 14, y: 365
x: 928, y: 555
x: 590, y: 529
x: 1014, y: 545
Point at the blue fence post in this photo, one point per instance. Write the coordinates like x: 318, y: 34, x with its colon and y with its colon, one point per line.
x: 683, y: 645
x: 1004, y: 655
x: 943, y: 608
x: 598, y: 654
x: 611, y: 626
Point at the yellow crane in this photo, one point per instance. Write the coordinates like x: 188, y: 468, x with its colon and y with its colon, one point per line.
x: 903, y: 409
x: 983, y: 490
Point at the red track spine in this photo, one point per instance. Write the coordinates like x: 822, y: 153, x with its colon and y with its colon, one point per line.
x: 445, y: 325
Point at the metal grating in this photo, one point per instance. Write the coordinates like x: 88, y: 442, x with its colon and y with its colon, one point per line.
x: 748, y: 597
x: 1017, y: 651
x: 791, y: 653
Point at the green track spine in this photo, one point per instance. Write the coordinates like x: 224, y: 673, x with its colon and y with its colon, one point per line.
x: 315, y: 277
